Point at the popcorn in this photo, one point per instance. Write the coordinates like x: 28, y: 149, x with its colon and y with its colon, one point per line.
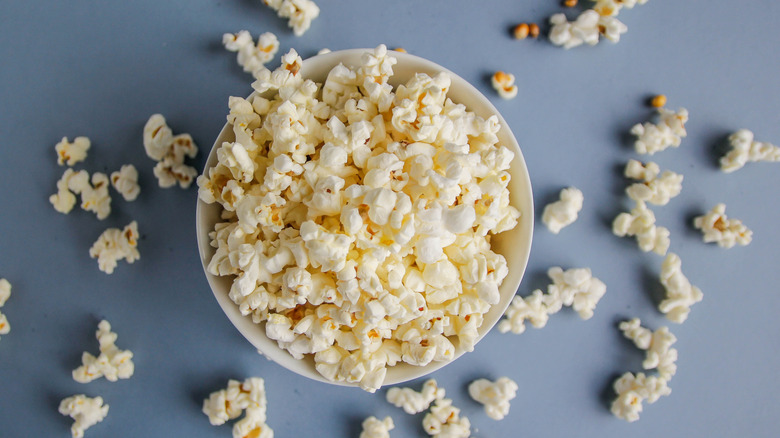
x: 299, y: 12
x: 444, y: 421
x: 125, y: 181
x: 252, y: 57
x: 717, y: 227
x: 585, y: 29
x: 112, y: 363
x: 563, y: 212
x: 115, y: 244
x: 413, y: 402
x: 668, y: 132
x: 680, y: 294
x: 85, y: 411
x: 72, y: 153
x: 374, y: 428
x: 358, y: 238
x: 64, y: 200
x: 95, y: 197
x: 169, y: 151
x: 494, y: 395
x: 532, y: 308
x: 504, y: 84
x: 745, y: 149
x: 654, y: 189
x: 246, y: 397
x: 5, y: 293
x: 633, y: 390
x: 611, y: 8
x: 640, y: 222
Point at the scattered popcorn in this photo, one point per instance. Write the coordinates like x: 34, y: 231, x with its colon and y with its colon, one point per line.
x: 359, y: 217
x: 585, y: 29
x: 680, y: 294
x: 611, y: 8
x: 94, y: 196
x: 5, y: 293
x: 658, y: 101
x: 494, y: 395
x: 563, y: 212
x: 745, y: 149
x: 374, y: 428
x: 169, y: 151
x: 533, y: 308
x: 299, y: 12
x: 633, y: 390
x: 413, y: 402
x: 125, y: 181
x: 640, y: 222
x: 668, y: 132
x: 64, y: 200
x: 252, y: 57
x: 112, y: 363
x: 504, y: 84
x: 717, y: 227
x: 72, y: 153
x: 85, y: 411
x: 115, y: 244
x: 521, y: 31
x: 248, y: 398
x: 655, y: 189
x: 444, y: 421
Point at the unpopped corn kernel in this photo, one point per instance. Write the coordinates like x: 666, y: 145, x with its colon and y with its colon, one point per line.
x: 494, y: 395
x: 533, y: 30
x: 112, y: 363
x: 115, y: 244
x: 745, y: 149
x: 658, y: 101
x: 504, y: 84
x: 563, y: 212
x: 85, y: 411
x: 521, y: 31
x: 570, y: 3
x: 72, y: 153
x: 717, y: 227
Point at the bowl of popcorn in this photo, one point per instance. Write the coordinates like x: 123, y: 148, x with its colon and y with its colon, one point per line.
x: 365, y: 217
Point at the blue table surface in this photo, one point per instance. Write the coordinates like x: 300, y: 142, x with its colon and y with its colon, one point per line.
x: 100, y: 69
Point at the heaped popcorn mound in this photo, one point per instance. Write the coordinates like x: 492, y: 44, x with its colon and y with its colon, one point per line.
x: 358, y: 217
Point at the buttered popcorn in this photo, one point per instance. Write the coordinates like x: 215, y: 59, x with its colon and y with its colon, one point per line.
x: 680, y: 293
x: 640, y: 223
x: 504, y: 84
x: 125, y: 181
x: 563, y: 212
x: 656, y: 137
x: 299, y: 12
x: 112, y: 363
x: 744, y: 149
x: 249, y: 55
x: 72, y: 153
x: 115, y: 244
x: 360, y: 216
x: 494, y: 395
x: 247, y: 397
x: 5, y: 293
x: 654, y: 187
x: 375, y: 428
x: 85, y: 411
x: 413, y: 402
x: 717, y: 227
x: 170, y: 152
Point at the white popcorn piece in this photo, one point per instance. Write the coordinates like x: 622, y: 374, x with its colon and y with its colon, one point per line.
x: 744, y: 149
x: 5, y: 293
x: 640, y: 223
x: 585, y: 29
x: 115, y: 244
x: 247, y: 397
x: 655, y: 189
x: 494, y: 395
x: 170, y: 152
x: 252, y: 57
x: 563, y: 212
x: 668, y: 132
x: 633, y: 390
x: 610, y: 8
x: 504, y: 84
x: 657, y: 344
x: 125, y: 181
x: 64, y: 200
x: 375, y: 428
x: 323, y: 51
x: 532, y: 308
x: 444, y: 421
x: 413, y: 402
x: 717, y: 227
x: 95, y: 197
x: 299, y: 12
x: 680, y: 293
x: 112, y: 363
x: 72, y: 153
x: 85, y: 411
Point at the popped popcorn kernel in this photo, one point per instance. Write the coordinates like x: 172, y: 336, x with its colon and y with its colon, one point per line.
x: 444, y: 421
x: 64, y: 200
x: 717, y: 227
x: 247, y: 397
x: 744, y: 149
x: 5, y: 293
x: 115, y: 244
x: 585, y: 29
x: 563, y: 212
x: 494, y: 395
x: 72, y: 153
x: 112, y: 363
x: 299, y: 12
x: 640, y: 223
x: 170, y: 152
x: 95, y: 196
x: 613, y: 7
x: 633, y: 390
x: 680, y: 293
x: 658, y: 101
x: 85, y: 411
x: 655, y: 187
x: 413, y: 402
x: 533, y: 308
x: 521, y: 31
x: 250, y: 56
x: 375, y: 428
x: 504, y: 84
x: 656, y: 137
x: 125, y: 181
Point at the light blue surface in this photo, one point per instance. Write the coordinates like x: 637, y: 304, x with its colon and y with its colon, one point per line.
x: 100, y: 69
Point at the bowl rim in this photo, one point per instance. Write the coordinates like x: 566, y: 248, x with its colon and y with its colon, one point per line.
x: 401, y: 372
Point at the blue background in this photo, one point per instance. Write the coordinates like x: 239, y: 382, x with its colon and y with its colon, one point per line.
x: 100, y: 69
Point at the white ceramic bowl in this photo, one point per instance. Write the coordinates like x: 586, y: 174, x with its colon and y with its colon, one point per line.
x: 514, y: 245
